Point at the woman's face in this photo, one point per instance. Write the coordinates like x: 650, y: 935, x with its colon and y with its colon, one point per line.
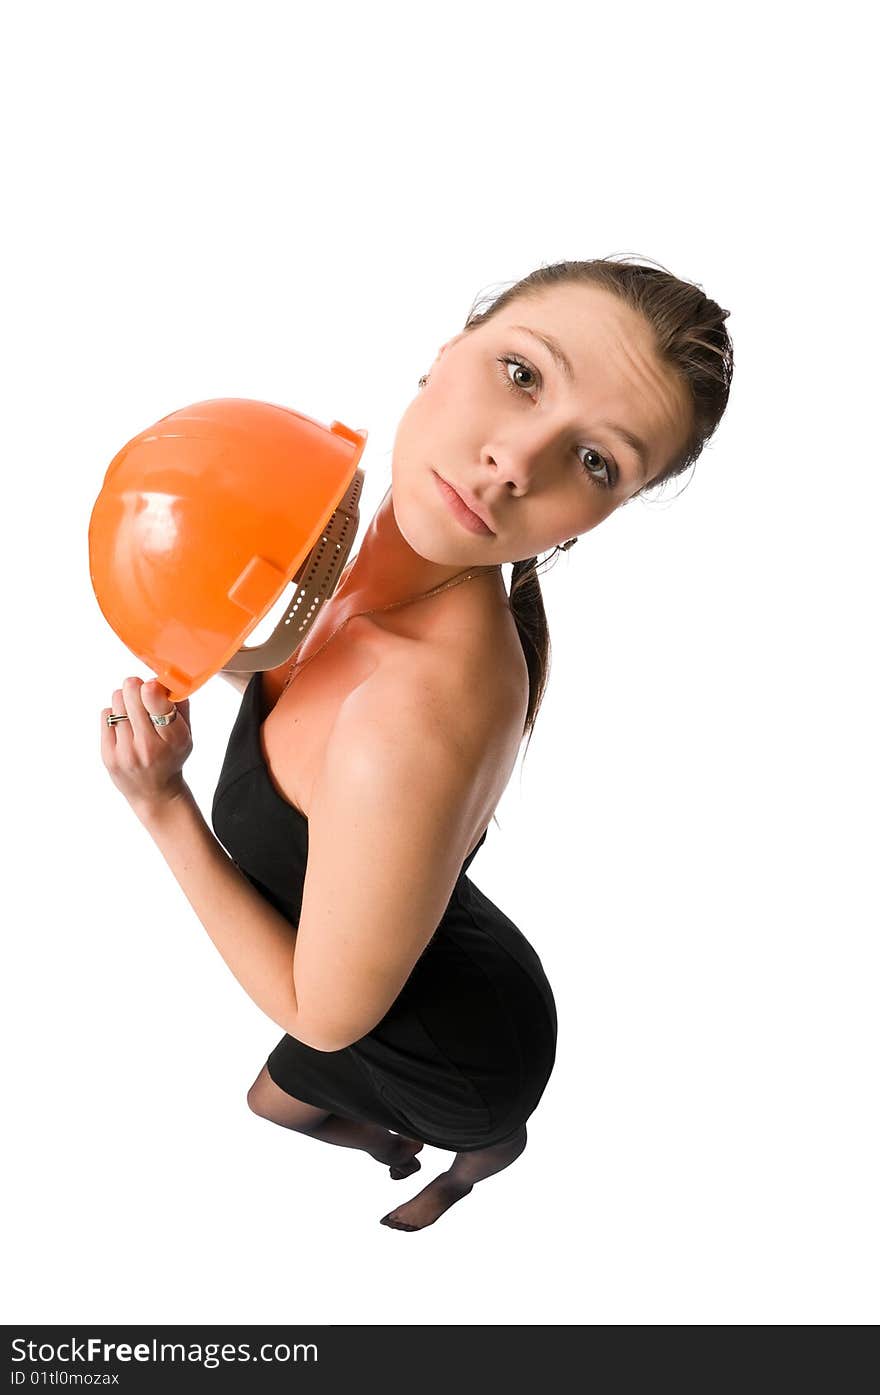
x: 532, y: 449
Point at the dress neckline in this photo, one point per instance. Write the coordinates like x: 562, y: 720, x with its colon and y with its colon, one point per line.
x: 256, y: 724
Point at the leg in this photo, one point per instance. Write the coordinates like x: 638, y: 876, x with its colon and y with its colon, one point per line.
x: 269, y: 1102
x: 467, y: 1169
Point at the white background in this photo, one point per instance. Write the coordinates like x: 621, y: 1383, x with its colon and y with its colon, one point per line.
x: 296, y: 205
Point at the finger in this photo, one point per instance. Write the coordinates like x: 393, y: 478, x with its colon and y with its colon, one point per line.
x: 138, y: 719
x: 156, y: 702
x: 183, y: 709
x: 121, y: 731
x: 108, y: 736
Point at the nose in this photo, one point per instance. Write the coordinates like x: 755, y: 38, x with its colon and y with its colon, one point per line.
x: 516, y: 463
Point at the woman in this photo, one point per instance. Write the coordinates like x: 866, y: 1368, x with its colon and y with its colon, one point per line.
x: 357, y: 788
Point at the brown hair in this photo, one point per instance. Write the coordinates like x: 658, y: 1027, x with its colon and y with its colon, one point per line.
x: 689, y: 338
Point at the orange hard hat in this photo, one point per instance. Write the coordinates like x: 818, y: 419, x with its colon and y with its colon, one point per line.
x: 202, y: 521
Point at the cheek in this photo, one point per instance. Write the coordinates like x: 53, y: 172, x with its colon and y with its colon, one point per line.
x: 420, y: 426
x: 404, y: 450
x: 431, y: 437
x: 459, y: 393
x: 578, y: 510
x: 597, y: 508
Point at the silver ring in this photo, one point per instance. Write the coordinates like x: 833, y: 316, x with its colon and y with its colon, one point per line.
x: 112, y: 719
x: 164, y: 720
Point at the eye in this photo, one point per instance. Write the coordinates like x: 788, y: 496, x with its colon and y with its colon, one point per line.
x: 513, y: 360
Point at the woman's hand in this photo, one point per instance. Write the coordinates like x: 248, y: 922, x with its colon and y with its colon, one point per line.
x: 145, y: 761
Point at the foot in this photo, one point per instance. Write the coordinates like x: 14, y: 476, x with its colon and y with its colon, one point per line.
x: 399, y: 1153
x: 428, y: 1206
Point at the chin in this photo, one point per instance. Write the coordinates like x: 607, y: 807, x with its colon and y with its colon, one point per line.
x: 419, y: 515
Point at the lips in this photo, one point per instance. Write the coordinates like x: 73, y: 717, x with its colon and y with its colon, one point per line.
x: 471, y: 513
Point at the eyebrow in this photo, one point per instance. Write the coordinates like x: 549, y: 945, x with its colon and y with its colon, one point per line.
x: 558, y: 355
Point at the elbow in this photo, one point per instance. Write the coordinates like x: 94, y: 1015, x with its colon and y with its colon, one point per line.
x: 325, y: 1044
x: 332, y: 1021
x: 319, y: 1036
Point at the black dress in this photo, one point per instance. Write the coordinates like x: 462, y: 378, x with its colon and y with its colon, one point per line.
x: 463, y: 1055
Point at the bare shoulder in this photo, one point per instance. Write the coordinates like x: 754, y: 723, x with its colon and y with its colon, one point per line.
x: 468, y: 695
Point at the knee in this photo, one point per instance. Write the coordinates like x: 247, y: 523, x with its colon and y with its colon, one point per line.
x: 507, y: 1151
x: 267, y: 1100
x: 515, y: 1144
x: 258, y: 1095
x: 479, y: 1163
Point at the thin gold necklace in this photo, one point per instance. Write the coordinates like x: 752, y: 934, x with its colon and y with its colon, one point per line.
x: 408, y: 600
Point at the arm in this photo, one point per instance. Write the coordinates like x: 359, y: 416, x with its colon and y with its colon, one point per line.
x: 256, y: 941
x: 394, y: 810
